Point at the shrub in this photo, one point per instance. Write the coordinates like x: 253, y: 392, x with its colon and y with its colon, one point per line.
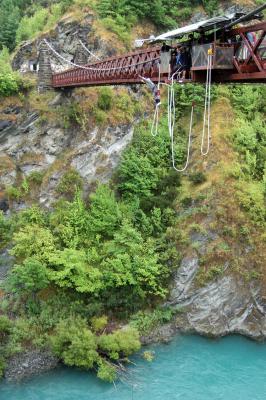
x: 105, y: 99
x: 98, y: 323
x: 73, y: 114
x: 75, y: 343
x: 70, y: 182
x: 9, y: 84
x: 2, y: 366
x: 5, y: 326
x: 5, y: 229
x: 23, y: 332
x: 33, y: 240
x: 13, y: 193
x: 148, y: 356
x: 28, y: 277
x: 106, y: 371
x: 251, y: 199
x: 146, y: 321
x: 36, y: 177
x: 197, y: 178
x: 120, y: 343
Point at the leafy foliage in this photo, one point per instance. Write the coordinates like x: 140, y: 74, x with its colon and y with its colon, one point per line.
x: 163, y: 13
x: 10, y: 81
x: 75, y: 343
x: 120, y: 343
x: 29, y: 277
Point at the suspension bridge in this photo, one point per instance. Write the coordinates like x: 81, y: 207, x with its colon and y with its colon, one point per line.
x: 242, y: 58
x: 226, y: 55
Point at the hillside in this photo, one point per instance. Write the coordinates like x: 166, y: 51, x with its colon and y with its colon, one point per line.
x: 102, y: 244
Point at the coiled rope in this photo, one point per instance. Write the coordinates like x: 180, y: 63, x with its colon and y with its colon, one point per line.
x: 171, y: 123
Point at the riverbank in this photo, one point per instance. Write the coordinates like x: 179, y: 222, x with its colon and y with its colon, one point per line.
x: 190, y: 367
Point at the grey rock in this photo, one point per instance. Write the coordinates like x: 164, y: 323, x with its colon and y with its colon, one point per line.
x: 4, y: 124
x: 224, y: 306
x: 184, y: 278
x: 29, y: 363
x: 6, y: 263
x: 4, y: 206
x: 161, y: 334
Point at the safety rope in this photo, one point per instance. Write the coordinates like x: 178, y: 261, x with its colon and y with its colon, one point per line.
x: 88, y: 51
x: 171, y: 123
x: 155, y: 122
x: 96, y: 69
x: 207, y: 107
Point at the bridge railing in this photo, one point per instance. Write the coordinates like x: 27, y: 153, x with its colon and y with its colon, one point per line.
x: 123, y: 69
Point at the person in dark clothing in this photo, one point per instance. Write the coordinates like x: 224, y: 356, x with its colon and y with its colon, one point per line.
x: 165, y: 47
x: 183, y: 61
x: 202, y: 39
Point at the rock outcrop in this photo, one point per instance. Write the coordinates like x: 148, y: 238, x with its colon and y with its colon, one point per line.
x: 226, y: 305
x: 29, y: 145
x: 65, y: 39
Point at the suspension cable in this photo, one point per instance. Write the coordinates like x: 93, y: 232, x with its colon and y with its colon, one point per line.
x: 207, y: 107
x: 96, y: 69
x: 88, y: 51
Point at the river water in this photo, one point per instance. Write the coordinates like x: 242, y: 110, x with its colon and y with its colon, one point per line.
x: 189, y: 368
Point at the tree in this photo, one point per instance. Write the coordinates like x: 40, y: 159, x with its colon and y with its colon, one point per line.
x: 104, y: 216
x: 33, y: 240
x: 9, y: 20
x: 29, y: 277
x: 69, y: 268
x: 130, y: 266
x: 69, y: 222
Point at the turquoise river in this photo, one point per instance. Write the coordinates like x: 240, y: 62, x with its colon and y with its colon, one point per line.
x: 189, y: 368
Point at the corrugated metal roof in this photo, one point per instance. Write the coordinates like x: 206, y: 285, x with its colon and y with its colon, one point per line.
x: 205, y: 25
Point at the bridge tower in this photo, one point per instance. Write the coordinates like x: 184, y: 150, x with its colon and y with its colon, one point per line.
x: 45, y: 70
x: 80, y: 56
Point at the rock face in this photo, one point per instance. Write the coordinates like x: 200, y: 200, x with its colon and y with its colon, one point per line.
x: 224, y: 306
x: 65, y: 39
x: 29, y: 145
x: 30, y: 363
x: 6, y: 262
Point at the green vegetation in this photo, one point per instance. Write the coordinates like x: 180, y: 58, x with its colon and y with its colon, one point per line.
x: 70, y: 182
x: 163, y: 13
x: 111, y: 253
x: 145, y: 321
x: 249, y: 139
x: 77, y: 345
x: 197, y: 178
x: 10, y: 82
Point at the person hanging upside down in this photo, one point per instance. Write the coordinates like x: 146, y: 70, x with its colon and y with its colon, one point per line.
x: 154, y: 89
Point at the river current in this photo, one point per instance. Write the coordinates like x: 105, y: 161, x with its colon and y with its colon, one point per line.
x: 189, y: 368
